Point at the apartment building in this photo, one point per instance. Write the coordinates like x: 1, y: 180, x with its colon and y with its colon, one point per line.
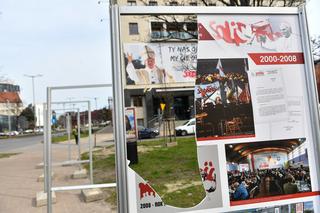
x: 10, y: 106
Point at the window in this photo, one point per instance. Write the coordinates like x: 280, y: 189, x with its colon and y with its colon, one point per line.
x: 191, y: 26
x: 133, y: 29
x: 140, y: 123
x: 192, y: 123
x: 132, y: 2
x: 173, y: 30
x: 153, y: 3
x: 157, y: 30
x: 137, y: 101
x: 173, y: 3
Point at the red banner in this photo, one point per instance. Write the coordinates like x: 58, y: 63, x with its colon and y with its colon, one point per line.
x: 276, y: 58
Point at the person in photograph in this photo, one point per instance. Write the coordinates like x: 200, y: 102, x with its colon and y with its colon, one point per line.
x: 128, y: 125
x: 223, y: 89
x: 240, y: 193
x: 290, y: 187
x: 286, y: 43
x: 151, y: 73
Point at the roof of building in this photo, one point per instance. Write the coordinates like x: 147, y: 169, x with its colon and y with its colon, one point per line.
x: 12, y: 97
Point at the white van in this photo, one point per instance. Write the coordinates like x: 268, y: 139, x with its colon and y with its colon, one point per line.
x: 187, y: 128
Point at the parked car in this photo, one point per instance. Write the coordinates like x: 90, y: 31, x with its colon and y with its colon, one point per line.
x: 187, y: 128
x: 27, y: 131
x: 38, y: 130
x: 12, y: 133
x: 105, y: 123
x: 144, y: 132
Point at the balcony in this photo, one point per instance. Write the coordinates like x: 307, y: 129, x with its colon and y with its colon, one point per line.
x: 173, y: 35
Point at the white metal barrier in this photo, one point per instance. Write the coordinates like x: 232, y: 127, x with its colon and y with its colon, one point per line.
x: 48, y: 140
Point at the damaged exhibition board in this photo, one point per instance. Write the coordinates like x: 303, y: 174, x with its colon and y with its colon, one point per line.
x: 256, y: 115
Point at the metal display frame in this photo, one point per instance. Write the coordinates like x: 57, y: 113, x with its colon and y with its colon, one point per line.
x: 69, y: 128
x: 78, y: 124
x: 118, y: 75
x: 48, y: 149
x: 69, y: 162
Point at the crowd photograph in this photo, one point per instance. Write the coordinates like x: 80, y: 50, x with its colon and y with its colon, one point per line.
x: 223, y: 100
x: 268, y: 168
x: 301, y: 207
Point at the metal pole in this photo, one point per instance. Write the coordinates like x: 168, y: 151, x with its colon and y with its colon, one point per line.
x: 94, y: 186
x: 69, y: 135
x: 34, y: 98
x: 9, y: 124
x: 118, y: 109
x: 90, y: 147
x: 39, y: 118
x: 96, y: 102
x: 34, y: 105
x: 9, y: 117
x: 65, y: 119
x: 311, y: 87
x: 48, y: 152
x: 78, y: 125
x: 45, y: 139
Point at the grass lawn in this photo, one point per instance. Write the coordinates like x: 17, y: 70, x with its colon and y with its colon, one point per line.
x: 7, y: 155
x: 58, y: 139
x: 172, y: 171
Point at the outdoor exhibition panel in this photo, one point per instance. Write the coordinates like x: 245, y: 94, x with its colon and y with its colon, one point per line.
x: 257, y: 119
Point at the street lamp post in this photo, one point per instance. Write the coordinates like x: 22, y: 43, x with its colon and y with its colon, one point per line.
x: 95, y: 101
x: 9, y: 117
x: 33, y: 95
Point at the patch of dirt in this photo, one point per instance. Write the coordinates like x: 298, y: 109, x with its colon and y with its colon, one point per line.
x: 144, y: 149
x: 104, y: 151
x: 172, y: 187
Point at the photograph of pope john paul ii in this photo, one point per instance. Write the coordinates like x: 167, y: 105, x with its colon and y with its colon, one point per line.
x: 145, y: 71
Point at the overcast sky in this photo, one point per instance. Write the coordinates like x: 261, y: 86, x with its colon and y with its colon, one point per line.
x: 313, y: 12
x: 67, y: 43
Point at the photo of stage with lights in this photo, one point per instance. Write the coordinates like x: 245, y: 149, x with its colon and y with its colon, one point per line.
x: 223, y: 100
x: 265, y: 169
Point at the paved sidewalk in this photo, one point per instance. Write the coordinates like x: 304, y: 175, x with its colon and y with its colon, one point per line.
x: 18, y: 180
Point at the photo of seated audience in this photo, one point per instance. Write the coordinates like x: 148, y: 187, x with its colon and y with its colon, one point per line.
x: 223, y: 100
x: 305, y: 207
x: 268, y: 168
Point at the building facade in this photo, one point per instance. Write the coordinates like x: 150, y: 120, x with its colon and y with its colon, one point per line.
x: 159, y: 33
x: 10, y: 106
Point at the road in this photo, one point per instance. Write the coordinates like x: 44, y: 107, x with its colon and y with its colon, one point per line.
x: 13, y: 144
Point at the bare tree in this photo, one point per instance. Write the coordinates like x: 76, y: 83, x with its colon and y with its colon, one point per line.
x: 315, y: 43
x: 252, y: 3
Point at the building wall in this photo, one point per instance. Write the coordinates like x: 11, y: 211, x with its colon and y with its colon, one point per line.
x: 9, y: 111
x: 13, y: 109
x: 146, y: 114
x: 10, y: 106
